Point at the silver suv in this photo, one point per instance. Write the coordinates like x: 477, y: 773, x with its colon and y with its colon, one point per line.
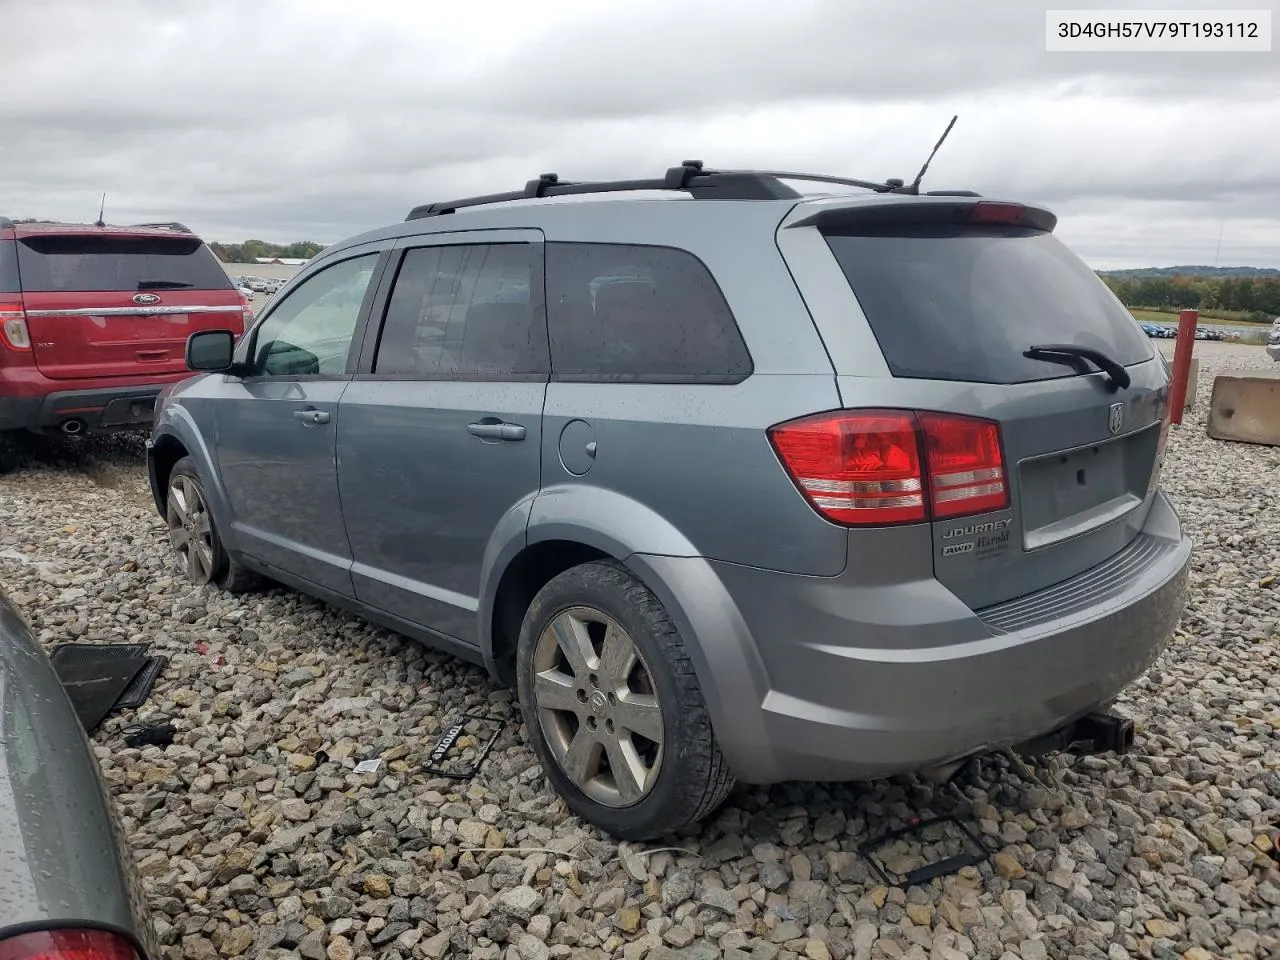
x: 733, y: 482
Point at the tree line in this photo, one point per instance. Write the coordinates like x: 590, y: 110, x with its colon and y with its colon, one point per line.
x: 1249, y: 298
x: 250, y: 250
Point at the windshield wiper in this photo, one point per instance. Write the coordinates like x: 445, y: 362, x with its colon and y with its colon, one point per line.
x: 162, y: 285
x: 1072, y: 354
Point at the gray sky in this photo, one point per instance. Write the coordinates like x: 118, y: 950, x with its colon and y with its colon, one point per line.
x: 317, y: 119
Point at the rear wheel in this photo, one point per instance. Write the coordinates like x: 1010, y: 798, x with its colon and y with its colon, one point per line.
x: 194, y: 537
x: 613, y: 707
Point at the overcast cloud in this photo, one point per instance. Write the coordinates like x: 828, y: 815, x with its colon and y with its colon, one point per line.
x: 316, y: 119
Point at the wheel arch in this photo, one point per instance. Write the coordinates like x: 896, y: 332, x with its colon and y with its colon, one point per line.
x: 177, y: 436
x: 558, y: 528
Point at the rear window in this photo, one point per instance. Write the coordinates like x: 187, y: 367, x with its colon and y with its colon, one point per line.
x: 74, y: 264
x: 9, y: 267
x: 950, y: 302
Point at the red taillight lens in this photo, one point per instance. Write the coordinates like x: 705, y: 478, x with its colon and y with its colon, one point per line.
x: 13, y: 326
x: 881, y: 467
x: 67, y: 945
x: 966, y: 468
x: 988, y: 211
x: 861, y: 468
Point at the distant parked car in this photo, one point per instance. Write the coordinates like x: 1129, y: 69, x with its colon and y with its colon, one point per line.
x: 256, y: 284
x: 94, y: 319
x: 246, y: 292
x: 68, y: 884
x: 1273, y: 340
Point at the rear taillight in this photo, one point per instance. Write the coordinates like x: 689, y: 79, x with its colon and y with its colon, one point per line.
x: 67, y: 945
x: 1158, y: 468
x: 13, y: 326
x: 882, y: 467
x: 966, y: 468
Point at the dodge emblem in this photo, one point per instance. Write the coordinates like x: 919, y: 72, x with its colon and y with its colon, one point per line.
x: 1115, y: 418
x: 145, y: 298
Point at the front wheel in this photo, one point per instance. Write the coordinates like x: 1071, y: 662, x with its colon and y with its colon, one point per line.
x: 613, y: 707
x: 194, y: 536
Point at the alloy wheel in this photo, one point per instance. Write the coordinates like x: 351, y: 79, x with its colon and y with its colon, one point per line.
x: 597, y: 706
x: 191, y: 529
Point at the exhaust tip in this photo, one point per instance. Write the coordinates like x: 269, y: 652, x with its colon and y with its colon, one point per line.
x: 73, y: 426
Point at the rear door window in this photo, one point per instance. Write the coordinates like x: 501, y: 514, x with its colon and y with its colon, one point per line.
x: 80, y: 264
x: 465, y: 312
x: 9, y: 282
x: 640, y: 314
x: 951, y: 302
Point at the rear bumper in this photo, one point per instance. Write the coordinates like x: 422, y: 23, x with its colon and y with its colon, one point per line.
x: 97, y: 407
x: 823, y: 679
x: 1273, y: 350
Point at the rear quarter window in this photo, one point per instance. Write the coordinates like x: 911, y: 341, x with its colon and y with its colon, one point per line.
x: 77, y: 263
x: 639, y: 314
x: 9, y: 279
x: 952, y: 302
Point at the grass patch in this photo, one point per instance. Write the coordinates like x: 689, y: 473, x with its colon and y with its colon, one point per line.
x: 1170, y: 317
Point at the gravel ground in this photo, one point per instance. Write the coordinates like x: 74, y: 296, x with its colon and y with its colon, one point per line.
x: 257, y: 838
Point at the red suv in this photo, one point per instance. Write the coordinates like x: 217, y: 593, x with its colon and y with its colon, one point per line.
x: 94, y: 319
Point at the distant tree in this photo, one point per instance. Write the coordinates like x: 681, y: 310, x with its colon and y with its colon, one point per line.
x: 250, y: 250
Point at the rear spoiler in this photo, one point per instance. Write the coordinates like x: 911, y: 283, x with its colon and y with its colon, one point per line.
x: 950, y: 209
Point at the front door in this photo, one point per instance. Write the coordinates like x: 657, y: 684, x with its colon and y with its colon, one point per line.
x: 277, y: 427
x: 441, y: 437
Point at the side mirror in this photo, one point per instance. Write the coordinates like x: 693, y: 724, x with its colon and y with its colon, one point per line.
x: 210, y: 351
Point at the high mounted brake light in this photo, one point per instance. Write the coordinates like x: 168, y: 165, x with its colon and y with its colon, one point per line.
x: 887, y: 467
x: 997, y: 214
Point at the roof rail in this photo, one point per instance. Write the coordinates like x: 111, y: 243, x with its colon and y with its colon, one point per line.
x: 690, y: 177
x: 172, y: 225
x: 5, y: 223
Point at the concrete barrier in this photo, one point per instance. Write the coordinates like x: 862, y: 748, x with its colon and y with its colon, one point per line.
x: 1245, y: 409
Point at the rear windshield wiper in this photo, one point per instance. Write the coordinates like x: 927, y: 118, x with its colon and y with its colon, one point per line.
x: 162, y: 285
x: 1070, y: 353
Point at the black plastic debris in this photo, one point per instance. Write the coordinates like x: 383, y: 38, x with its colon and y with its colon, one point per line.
x: 100, y: 678
x: 155, y: 732
x: 444, y: 759
x: 971, y: 851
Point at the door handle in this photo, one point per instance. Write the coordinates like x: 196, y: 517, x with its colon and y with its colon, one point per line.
x: 311, y: 416
x: 496, y: 430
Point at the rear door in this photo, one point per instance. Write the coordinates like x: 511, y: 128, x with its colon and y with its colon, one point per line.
x: 954, y: 296
x: 115, y: 304
x: 440, y: 433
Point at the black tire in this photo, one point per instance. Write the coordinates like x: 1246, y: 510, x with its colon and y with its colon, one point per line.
x: 227, y: 573
x: 692, y: 779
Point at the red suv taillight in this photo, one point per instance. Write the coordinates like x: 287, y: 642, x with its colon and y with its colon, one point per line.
x: 881, y: 467
x: 13, y: 325
x: 67, y: 945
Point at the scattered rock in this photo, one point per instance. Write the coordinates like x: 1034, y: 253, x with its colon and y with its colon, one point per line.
x: 257, y: 839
